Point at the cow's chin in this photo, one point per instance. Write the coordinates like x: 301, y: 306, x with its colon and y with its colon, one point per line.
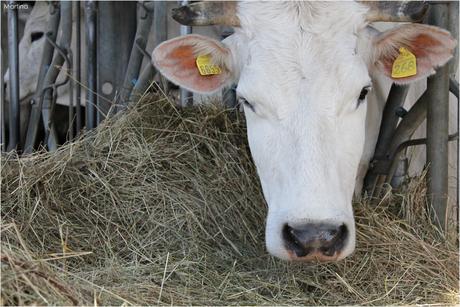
x: 277, y: 246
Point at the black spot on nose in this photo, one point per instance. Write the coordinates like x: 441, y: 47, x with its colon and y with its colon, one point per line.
x: 325, y: 239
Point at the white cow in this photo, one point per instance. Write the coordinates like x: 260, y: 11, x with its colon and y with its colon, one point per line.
x: 304, y: 70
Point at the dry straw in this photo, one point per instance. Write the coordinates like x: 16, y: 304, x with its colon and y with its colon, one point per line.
x: 163, y: 206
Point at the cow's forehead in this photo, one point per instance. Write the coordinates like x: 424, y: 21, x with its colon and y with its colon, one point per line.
x: 38, y: 19
x: 300, y: 48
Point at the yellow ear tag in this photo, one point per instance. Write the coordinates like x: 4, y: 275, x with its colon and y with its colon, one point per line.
x: 205, y: 67
x: 405, y: 64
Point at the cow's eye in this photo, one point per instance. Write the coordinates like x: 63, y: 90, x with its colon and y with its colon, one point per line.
x: 34, y: 36
x: 243, y: 101
x: 363, y: 93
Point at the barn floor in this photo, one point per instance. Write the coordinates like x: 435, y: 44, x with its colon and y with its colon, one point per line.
x: 163, y: 206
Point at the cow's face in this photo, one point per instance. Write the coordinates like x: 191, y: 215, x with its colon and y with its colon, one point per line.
x: 31, y: 51
x: 303, y: 72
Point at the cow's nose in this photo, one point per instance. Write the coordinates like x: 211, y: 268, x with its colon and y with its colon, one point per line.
x: 315, y: 239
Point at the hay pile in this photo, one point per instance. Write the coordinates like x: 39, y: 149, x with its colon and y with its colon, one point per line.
x: 164, y: 206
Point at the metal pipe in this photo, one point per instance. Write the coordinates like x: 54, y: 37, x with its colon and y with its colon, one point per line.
x: 453, y: 29
x: 13, y: 60
x: 186, y: 97
x: 453, y: 87
x: 160, y: 34
x: 77, y: 67
x: 53, y: 72
x: 144, y: 81
x: 91, y: 62
x: 135, y: 60
x: 2, y: 88
x: 409, y: 123
x: 396, y: 98
x: 414, y: 142
x: 438, y: 128
x: 37, y: 101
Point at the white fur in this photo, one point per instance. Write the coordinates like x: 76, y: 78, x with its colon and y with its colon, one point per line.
x: 299, y: 67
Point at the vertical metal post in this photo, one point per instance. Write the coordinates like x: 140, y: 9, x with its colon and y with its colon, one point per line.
x: 186, y: 97
x: 454, y: 29
x: 228, y: 94
x: 49, y: 93
x: 160, y: 34
x: 77, y: 66
x: 396, y: 98
x: 91, y: 63
x: 145, y: 17
x: 438, y: 128
x: 2, y: 85
x: 160, y: 26
x: 116, y: 31
x: 13, y: 59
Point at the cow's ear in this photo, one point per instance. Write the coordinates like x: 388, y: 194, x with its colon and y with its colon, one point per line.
x: 176, y: 59
x: 430, y: 46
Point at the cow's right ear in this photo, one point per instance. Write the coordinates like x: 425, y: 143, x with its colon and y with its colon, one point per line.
x: 176, y: 59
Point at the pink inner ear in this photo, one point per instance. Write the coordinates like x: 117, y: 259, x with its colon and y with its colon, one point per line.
x: 431, y: 46
x: 177, y: 62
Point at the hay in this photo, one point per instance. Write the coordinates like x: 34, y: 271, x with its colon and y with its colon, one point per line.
x: 164, y: 206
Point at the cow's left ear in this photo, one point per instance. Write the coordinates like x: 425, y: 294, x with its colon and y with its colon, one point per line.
x: 430, y: 46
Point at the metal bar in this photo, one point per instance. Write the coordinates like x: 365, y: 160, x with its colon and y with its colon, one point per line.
x: 91, y: 63
x: 2, y: 85
x: 186, y: 97
x: 453, y: 29
x: 409, y: 123
x: 144, y: 24
x: 53, y: 72
x: 13, y: 59
x: 396, y: 98
x: 77, y: 67
x: 37, y: 101
x: 228, y: 94
x: 453, y: 87
x: 414, y: 142
x: 438, y: 129
x: 142, y: 84
x: 160, y: 34
x: 116, y: 32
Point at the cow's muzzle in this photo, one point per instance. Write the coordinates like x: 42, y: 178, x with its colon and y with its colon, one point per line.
x: 315, y: 242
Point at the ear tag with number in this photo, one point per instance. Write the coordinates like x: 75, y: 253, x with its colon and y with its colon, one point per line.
x: 205, y: 67
x: 405, y: 64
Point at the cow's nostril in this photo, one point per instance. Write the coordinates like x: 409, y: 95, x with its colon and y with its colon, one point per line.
x: 325, y: 239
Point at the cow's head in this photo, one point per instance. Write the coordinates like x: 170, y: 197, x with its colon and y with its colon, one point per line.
x: 303, y: 71
x: 31, y: 51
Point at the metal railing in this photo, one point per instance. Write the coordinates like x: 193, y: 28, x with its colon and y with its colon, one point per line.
x: 433, y: 106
